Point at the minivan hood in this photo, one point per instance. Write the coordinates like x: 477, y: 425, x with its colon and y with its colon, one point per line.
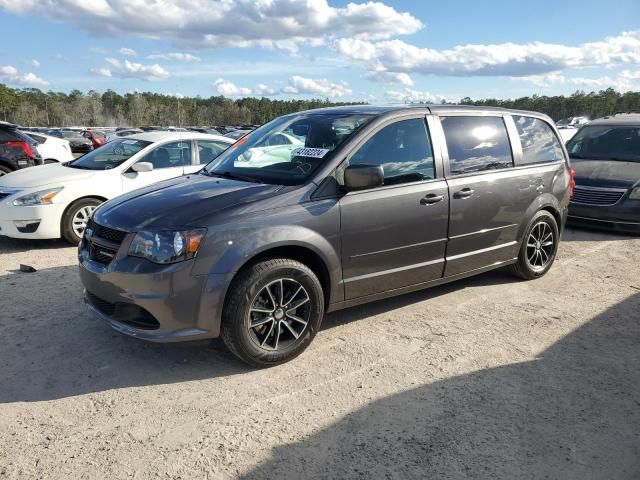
x: 177, y: 202
x: 606, y: 173
x: 54, y: 173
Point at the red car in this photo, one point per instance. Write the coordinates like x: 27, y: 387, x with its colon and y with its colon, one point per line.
x: 97, y: 138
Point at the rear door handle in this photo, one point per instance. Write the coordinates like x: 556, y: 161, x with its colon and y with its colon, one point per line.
x: 431, y: 199
x: 464, y: 193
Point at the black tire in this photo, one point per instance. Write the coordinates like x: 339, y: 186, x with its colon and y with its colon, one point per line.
x: 4, y: 170
x: 246, y: 293
x: 67, y: 227
x: 49, y: 161
x: 536, y: 257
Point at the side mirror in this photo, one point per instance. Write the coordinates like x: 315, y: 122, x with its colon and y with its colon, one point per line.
x: 360, y: 177
x: 142, y: 167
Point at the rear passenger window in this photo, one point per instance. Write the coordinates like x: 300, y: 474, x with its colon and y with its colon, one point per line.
x: 539, y: 143
x: 209, y: 150
x: 476, y: 144
x: 403, y: 149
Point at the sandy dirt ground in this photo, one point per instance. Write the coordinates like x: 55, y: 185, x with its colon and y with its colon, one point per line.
x: 485, y: 378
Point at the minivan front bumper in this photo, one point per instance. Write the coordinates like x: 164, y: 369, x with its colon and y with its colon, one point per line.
x: 622, y: 217
x: 159, y: 303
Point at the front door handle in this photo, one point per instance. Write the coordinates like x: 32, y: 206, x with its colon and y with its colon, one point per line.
x: 464, y: 193
x: 431, y: 199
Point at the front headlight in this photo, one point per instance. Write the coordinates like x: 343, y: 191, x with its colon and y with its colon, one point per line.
x: 43, y: 197
x: 635, y: 194
x: 167, y: 246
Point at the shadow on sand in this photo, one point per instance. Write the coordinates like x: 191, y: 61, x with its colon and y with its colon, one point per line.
x: 572, y: 413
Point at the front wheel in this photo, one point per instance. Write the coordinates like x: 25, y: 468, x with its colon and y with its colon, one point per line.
x: 75, y: 219
x: 4, y: 170
x: 539, y: 247
x: 273, y: 311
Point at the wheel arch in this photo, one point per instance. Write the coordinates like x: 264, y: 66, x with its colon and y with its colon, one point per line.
x: 8, y: 165
x: 303, y: 254
x: 71, y: 204
x: 545, y: 202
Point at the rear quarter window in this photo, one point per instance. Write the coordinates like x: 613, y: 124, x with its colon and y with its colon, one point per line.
x: 8, y: 135
x: 539, y: 142
x: 476, y: 144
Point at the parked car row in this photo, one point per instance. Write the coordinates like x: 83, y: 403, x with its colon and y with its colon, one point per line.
x: 57, y: 200
x: 185, y: 235
x: 17, y: 150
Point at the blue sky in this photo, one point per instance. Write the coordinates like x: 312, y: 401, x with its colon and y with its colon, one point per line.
x: 389, y: 51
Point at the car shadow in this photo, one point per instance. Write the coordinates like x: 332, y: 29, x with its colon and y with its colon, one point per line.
x: 341, y: 317
x: 572, y: 413
x: 52, y: 349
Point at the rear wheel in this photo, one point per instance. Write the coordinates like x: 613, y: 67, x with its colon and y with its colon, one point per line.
x: 539, y: 247
x: 273, y: 311
x: 49, y: 161
x: 75, y: 219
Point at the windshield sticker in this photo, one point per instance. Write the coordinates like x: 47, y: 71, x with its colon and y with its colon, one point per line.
x: 310, y: 152
x: 129, y: 142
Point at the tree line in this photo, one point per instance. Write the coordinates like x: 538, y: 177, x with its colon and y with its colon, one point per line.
x: 33, y: 107
x: 593, y: 104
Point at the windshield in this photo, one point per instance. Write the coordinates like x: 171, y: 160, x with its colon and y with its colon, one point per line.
x: 287, y: 150
x: 606, y: 142
x: 110, y: 155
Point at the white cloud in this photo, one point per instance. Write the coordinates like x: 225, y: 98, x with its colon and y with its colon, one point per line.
x: 9, y: 74
x: 32, y: 80
x: 322, y: 86
x: 409, y: 95
x: 8, y: 70
x: 510, y: 59
x: 382, y: 76
x: 129, y: 69
x: 177, y: 56
x: 33, y: 63
x: 128, y: 52
x: 625, y: 81
x: 222, y: 23
x: 544, y: 80
x: 100, y: 72
x: 229, y: 89
x: 263, y: 90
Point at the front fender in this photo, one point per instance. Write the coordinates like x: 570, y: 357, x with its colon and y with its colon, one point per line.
x: 314, y: 227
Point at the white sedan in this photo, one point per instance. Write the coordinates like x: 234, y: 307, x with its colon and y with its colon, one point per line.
x: 53, y: 201
x: 52, y: 149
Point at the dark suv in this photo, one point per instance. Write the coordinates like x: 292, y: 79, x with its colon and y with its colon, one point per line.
x: 367, y: 203
x: 17, y: 150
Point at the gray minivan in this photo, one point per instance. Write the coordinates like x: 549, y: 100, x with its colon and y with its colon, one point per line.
x: 362, y: 204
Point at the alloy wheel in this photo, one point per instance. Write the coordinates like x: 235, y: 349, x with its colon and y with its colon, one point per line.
x: 279, y: 314
x: 80, y: 219
x: 540, y: 246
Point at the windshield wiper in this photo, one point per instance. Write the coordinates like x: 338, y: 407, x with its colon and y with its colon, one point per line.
x: 230, y: 176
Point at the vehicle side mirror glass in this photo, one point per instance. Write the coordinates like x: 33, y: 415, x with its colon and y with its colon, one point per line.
x: 142, y: 167
x: 359, y: 177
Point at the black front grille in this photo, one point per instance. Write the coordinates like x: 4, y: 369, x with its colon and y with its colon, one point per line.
x: 103, y: 242
x: 127, y: 313
x: 598, y: 197
x: 102, y: 305
x: 110, y: 234
x: 101, y: 254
